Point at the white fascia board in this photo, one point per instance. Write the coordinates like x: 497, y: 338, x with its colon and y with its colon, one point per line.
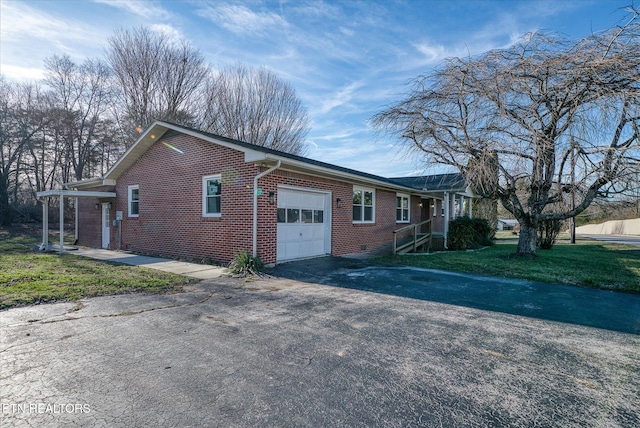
x: 254, y: 156
x: 332, y: 173
x: 75, y: 194
x: 204, y: 137
x: 156, y: 130
x: 93, y: 182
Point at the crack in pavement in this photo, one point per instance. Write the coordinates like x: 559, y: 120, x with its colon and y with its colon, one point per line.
x: 126, y: 313
x: 129, y: 313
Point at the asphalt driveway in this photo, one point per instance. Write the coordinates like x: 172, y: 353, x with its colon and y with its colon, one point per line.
x: 280, y: 352
x: 570, y: 304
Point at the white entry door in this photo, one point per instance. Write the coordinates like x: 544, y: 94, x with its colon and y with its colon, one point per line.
x: 106, y: 227
x: 304, y: 224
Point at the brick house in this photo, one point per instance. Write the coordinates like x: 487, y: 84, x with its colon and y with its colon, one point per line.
x: 184, y: 193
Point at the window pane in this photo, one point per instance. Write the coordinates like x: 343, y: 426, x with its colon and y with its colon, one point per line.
x: 405, y: 203
x: 357, y: 197
x: 213, y: 205
x: 318, y: 216
x: 282, y: 215
x: 134, y: 194
x: 134, y: 208
x: 405, y: 215
x: 307, y: 216
x: 368, y: 213
x: 357, y: 213
x: 398, y: 215
x: 293, y: 215
x: 214, y: 188
x: 368, y: 198
x: 398, y: 201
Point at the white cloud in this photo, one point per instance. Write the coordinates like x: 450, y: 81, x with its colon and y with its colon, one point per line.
x: 172, y: 33
x: 341, y: 97
x: 431, y: 54
x: 347, y: 32
x: 141, y: 8
x: 242, y: 20
x: 22, y: 22
x: 29, y: 35
x: 17, y: 73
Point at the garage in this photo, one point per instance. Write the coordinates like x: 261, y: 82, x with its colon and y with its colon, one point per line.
x: 304, y: 223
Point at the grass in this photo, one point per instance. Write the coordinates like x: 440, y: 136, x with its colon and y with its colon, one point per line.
x: 587, y: 263
x: 28, y: 276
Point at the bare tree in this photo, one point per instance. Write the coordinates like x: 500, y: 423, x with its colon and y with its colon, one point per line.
x: 9, y: 149
x: 22, y: 124
x: 157, y: 77
x: 80, y: 96
x: 256, y: 106
x: 559, y: 117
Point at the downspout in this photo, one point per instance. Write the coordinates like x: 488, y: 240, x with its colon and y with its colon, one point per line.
x: 255, y: 205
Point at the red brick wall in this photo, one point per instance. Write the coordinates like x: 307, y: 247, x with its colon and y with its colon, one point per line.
x: 90, y: 219
x: 346, y: 237
x: 170, y: 221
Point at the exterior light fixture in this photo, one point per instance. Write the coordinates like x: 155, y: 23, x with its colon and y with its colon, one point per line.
x: 109, y: 206
x: 97, y: 207
x: 339, y: 202
x: 272, y: 198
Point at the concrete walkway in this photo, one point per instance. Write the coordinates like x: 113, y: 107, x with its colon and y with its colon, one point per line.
x: 194, y: 270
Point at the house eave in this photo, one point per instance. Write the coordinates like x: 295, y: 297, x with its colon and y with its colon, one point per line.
x: 320, y: 171
x: 89, y: 183
x: 74, y: 194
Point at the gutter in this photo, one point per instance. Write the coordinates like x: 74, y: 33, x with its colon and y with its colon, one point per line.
x: 255, y: 204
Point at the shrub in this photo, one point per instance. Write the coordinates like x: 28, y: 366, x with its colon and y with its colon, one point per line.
x: 245, y: 264
x: 484, y: 232
x: 548, y: 231
x: 467, y: 233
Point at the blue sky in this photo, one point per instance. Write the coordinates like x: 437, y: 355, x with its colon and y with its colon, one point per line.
x: 346, y: 59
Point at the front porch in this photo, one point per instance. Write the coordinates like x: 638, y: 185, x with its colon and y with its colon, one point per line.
x: 62, y: 194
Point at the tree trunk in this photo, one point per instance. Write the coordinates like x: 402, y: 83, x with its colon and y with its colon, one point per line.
x: 527, y: 240
x: 5, y: 208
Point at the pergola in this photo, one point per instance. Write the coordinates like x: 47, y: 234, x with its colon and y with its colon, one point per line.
x: 64, y: 194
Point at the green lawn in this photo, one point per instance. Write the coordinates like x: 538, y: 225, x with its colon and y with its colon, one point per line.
x: 28, y: 276
x: 587, y: 263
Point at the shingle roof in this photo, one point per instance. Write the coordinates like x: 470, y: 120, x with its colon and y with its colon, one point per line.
x: 291, y: 156
x: 434, y: 183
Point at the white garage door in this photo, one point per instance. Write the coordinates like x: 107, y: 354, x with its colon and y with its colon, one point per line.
x: 303, y: 224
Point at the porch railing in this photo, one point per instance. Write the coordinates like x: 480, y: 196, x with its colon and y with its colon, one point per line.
x: 420, y: 234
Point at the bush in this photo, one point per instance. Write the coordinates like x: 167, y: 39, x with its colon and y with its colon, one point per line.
x: 467, y: 233
x: 245, y: 264
x: 548, y: 231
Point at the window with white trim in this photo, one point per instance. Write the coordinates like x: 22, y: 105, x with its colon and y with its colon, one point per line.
x: 211, y: 195
x: 363, y: 205
x: 133, y: 200
x: 402, y: 208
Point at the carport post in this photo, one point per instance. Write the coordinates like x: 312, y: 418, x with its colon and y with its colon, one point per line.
x: 61, y: 223
x: 470, y: 207
x: 45, y: 223
x: 76, y: 232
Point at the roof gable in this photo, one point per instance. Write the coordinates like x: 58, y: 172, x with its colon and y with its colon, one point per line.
x: 253, y: 153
